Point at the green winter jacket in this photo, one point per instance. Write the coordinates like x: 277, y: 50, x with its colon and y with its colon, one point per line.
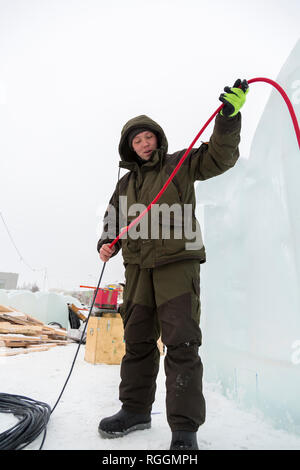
x: 177, y: 234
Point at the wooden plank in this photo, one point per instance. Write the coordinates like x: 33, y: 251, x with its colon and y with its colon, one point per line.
x: 10, y: 351
x: 34, y: 320
x: 16, y: 319
x: 13, y: 351
x: 21, y: 340
x: 56, y: 341
x: 36, y: 349
x: 36, y: 329
x: 16, y: 351
x: 7, y: 327
x: 19, y: 337
x: 48, y: 330
x: 48, y: 345
x: 17, y: 343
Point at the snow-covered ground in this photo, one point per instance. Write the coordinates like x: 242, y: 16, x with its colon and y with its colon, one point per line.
x: 92, y: 393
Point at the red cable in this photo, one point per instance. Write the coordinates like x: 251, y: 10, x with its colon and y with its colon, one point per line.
x: 286, y: 99
x: 252, y: 80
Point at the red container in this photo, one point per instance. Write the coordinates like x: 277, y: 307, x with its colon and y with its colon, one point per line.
x: 107, y: 298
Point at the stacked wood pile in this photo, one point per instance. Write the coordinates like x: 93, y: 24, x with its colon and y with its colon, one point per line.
x: 21, y: 333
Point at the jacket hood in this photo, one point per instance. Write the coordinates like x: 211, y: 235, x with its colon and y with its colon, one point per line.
x: 126, y: 153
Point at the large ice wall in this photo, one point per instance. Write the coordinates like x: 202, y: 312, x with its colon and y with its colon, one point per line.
x: 250, y: 285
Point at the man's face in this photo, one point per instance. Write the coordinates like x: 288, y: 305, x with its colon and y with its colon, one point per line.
x: 144, y: 143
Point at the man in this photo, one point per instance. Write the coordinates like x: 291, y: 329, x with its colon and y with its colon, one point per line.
x: 162, y: 288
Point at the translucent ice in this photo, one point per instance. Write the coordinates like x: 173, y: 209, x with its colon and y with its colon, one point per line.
x: 44, y: 306
x: 250, y: 285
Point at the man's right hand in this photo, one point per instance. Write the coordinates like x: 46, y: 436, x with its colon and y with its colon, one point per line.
x: 106, y: 252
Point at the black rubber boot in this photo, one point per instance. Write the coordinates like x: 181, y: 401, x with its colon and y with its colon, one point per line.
x: 123, y: 423
x: 184, y: 440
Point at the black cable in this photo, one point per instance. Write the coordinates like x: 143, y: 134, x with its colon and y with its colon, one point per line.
x: 33, y: 415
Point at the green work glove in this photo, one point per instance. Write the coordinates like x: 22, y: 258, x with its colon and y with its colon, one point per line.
x: 234, y: 98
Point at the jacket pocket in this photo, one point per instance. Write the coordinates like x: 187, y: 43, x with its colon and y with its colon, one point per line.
x: 172, y: 246
x: 133, y: 245
x: 130, y: 250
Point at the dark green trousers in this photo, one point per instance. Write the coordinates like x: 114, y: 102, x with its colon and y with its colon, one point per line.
x: 163, y: 301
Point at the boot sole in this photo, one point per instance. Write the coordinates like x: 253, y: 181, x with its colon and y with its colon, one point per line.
x: 113, y: 435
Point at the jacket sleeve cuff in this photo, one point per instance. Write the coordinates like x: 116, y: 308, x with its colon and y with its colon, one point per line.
x: 227, y: 125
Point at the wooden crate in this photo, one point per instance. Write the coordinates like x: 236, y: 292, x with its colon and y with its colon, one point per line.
x: 105, y: 340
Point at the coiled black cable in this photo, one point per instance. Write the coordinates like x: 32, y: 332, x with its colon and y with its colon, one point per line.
x: 33, y: 415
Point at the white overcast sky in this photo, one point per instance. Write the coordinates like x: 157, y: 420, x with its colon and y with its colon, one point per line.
x: 72, y: 72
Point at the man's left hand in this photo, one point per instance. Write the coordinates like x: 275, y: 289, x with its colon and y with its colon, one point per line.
x: 234, y: 98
